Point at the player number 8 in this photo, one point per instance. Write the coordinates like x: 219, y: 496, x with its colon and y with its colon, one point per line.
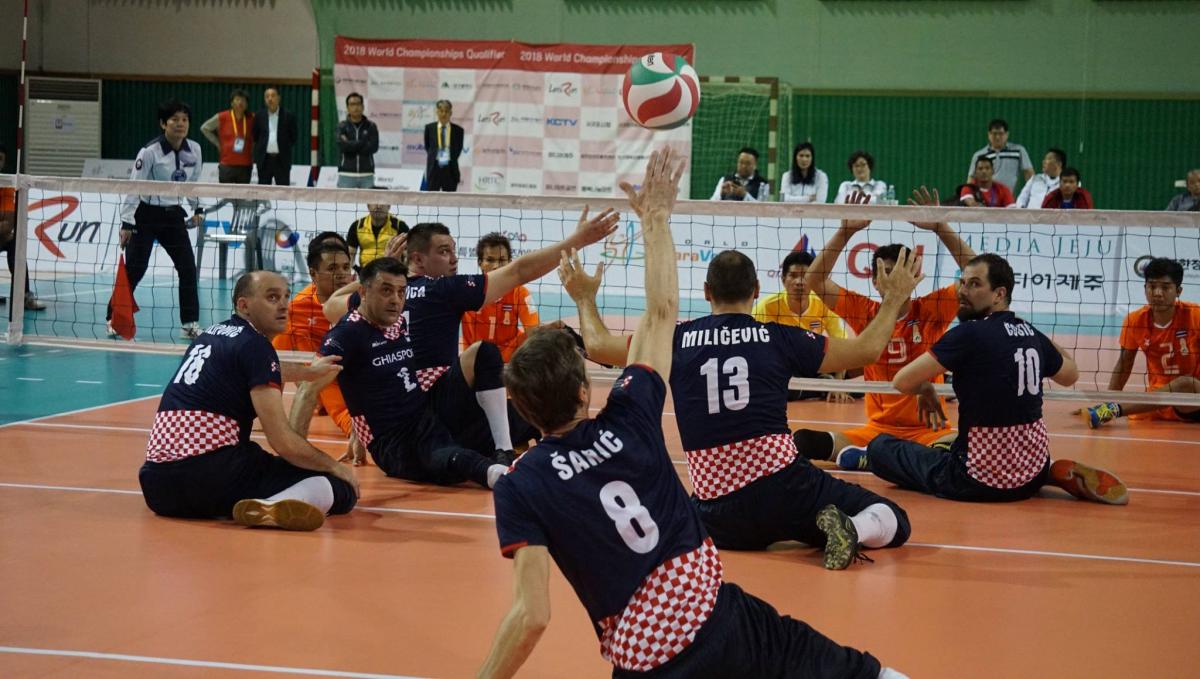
x: 633, y: 521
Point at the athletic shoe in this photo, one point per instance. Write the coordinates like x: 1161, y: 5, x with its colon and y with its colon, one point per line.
x: 852, y: 458
x: 1088, y: 483
x: 189, y: 331
x: 111, y: 332
x: 841, y: 538
x: 285, y: 514
x: 1099, y: 414
x: 33, y: 303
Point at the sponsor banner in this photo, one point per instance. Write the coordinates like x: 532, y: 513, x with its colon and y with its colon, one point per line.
x: 550, y: 109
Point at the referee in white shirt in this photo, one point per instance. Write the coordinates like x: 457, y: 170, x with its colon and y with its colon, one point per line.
x: 170, y: 157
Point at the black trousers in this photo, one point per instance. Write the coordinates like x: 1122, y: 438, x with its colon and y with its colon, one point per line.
x: 784, y: 506
x: 10, y: 254
x: 939, y: 472
x: 167, y: 227
x: 443, y: 178
x: 208, y: 486
x: 233, y: 174
x: 274, y: 168
x: 746, y: 637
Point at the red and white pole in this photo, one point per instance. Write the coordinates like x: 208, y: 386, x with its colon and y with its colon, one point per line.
x: 314, y: 125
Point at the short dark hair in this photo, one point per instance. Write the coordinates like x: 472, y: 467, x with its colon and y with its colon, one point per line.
x: 493, y: 240
x: 420, y: 237
x: 447, y: 102
x: 353, y: 95
x: 1070, y: 172
x: 796, y: 258
x: 272, y: 87
x: 238, y: 92
x: 319, y: 240
x: 543, y: 378
x: 731, y: 277
x: 998, y: 124
x: 1060, y: 154
x: 985, y: 159
x: 887, y: 253
x: 1162, y: 266
x: 170, y: 107
x: 316, y: 254
x: 749, y: 149
x: 388, y: 265
x: 860, y: 154
x: 1000, y: 273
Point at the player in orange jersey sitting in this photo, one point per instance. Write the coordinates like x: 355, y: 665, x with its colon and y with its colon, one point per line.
x: 923, y: 321
x: 329, y: 267
x: 497, y: 322
x: 1167, y: 329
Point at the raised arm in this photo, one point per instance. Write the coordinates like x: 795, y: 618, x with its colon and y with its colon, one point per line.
x: 896, y: 287
x: 527, y: 618
x: 653, y: 202
x: 339, y: 302
x: 818, y: 273
x: 957, y: 247
x: 602, y: 346
x: 534, y: 265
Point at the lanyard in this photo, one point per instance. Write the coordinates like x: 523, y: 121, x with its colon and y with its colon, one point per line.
x: 233, y: 119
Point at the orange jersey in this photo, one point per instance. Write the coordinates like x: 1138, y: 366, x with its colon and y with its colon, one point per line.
x: 1171, y: 350
x: 305, y: 330
x: 497, y: 322
x: 914, y: 334
x: 8, y: 200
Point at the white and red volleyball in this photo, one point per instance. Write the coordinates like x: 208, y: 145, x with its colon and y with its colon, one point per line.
x: 661, y: 91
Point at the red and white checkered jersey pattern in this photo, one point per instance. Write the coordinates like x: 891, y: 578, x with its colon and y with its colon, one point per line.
x: 720, y: 471
x: 392, y: 332
x: 1007, y: 457
x: 427, y: 377
x: 180, y: 434
x: 665, y: 613
x: 360, y: 428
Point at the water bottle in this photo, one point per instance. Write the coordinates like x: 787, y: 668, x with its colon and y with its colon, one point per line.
x: 891, y: 195
x: 764, y: 192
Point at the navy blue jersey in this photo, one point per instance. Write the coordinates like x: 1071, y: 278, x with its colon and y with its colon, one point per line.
x: 604, y: 499
x: 378, y: 379
x: 433, y: 309
x: 207, y: 404
x: 729, y: 377
x: 998, y: 364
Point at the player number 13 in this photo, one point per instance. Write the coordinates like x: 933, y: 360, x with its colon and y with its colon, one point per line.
x: 737, y: 396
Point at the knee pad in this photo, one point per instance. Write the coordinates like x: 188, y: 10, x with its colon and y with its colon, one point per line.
x: 488, y: 367
x: 814, y: 445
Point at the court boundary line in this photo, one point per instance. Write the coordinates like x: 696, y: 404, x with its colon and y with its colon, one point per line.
x: 184, y: 662
x: 492, y: 517
x: 38, y: 420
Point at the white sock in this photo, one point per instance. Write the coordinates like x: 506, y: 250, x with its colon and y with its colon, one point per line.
x: 315, y: 490
x: 876, y: 525
x: 494, y: 473
x: 889, y: 673
x: 495, y: 406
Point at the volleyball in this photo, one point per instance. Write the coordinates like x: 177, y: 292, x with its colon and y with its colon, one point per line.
x: 661, y: 91
x: 286, y: 238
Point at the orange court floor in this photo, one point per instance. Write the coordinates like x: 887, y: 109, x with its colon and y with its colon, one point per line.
x: 411, y: 583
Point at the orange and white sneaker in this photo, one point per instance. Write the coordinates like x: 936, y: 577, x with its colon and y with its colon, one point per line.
x: 1088, y: 483
x: 285, y: 514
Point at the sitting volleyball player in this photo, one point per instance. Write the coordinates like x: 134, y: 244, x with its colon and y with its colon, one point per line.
x: 729, y: 378
x: 497, y: 322
x: 1167, y: 329
x: 797, y: 306
x: 922, y: 322
x: 1002, y: 451
x: 200, y: 461
x: 602, y: 499
x: 438, y: 436
x: 438, y: 297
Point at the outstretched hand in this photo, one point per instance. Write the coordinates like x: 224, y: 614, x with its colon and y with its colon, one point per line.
x: 660, y: 186
x: 397, y: 246
x: 904, y: 277
x: 922, y: 198
x: 856, y: 225
x: 580, y: 286
x: 597, y: 228
x: 322, y: 371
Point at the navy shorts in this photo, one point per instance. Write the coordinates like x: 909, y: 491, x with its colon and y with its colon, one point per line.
x: 207, y: 486
x: 746, y: 637
x: 784, y: 506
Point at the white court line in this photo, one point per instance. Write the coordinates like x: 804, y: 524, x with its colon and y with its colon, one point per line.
x: 75, y: 412
x: 491, y: 517
x: 197, y: 663
x: 87, y: 382
x: 143, y: 384
x: 31, y: 379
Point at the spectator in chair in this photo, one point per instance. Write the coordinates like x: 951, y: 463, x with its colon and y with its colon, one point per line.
x: 1190, y: 201
x: 745, y: 183
x: 804, y: 183
x: 991, y: 192
x: 861, y: 165
x: 1043, y: 183
x: 1069, y: 195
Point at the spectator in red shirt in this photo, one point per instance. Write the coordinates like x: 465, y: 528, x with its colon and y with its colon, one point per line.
x: 1069, y: 195
x: 994, y: 193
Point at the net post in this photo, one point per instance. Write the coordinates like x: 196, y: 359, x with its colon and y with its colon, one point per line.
x: 20, y: 271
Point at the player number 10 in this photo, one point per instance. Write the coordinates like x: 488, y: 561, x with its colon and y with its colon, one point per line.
x: 1029, y: 371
